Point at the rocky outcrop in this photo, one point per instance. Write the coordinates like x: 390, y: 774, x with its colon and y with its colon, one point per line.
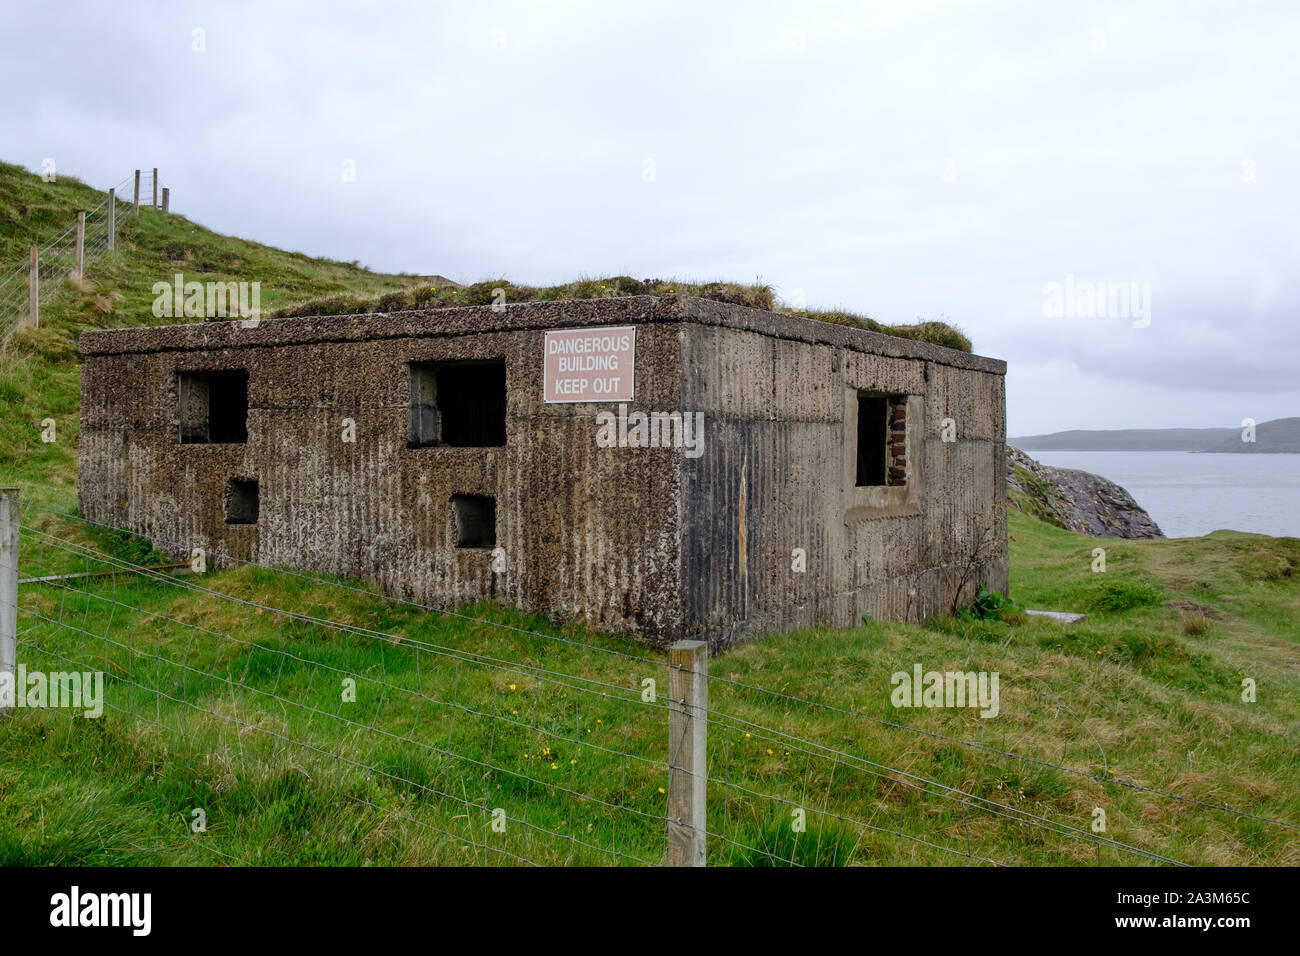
x: 1076, y: 500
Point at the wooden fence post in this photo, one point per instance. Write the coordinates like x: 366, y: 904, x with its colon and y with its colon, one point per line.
x: 81, y: 245
x: 34, y: 289
x: 167, y: 198
x: 137, y: 192
x: 688, y: 727
x: 112, y: 217
x: 8, y: 593
x: 155, y: 187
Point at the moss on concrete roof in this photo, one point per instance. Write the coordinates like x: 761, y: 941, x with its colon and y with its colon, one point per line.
x: 441, y: 293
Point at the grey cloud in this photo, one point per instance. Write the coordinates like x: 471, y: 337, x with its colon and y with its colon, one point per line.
x: 803, y: 143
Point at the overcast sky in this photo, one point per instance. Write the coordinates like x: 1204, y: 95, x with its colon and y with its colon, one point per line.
x: 902, y: 160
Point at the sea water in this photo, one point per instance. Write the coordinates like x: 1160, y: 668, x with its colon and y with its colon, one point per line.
x: 1191, y: 494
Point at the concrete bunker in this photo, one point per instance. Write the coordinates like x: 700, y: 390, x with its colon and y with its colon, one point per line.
x: 457, y: 455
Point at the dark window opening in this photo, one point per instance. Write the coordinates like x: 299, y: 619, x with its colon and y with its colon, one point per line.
x: 213, y: 407
x: 882, y: 440
x: 241, y: 501
x: 476, y: 520
x: 462, y: 404
x: 872, y: 420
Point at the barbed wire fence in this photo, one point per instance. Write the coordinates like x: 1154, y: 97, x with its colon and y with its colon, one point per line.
x: 53, y: 263
x: 447, y: 740
x: 489, y: 754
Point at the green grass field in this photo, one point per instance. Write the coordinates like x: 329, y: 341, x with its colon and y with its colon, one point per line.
x: 226, y: 691
x: 228, y: 706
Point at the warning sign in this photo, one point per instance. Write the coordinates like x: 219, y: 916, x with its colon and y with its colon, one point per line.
x: 589, y: 365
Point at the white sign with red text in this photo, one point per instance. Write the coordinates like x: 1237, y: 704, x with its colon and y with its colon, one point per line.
x: 589, y: 365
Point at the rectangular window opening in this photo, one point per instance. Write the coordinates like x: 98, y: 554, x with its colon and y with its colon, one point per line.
x: 462, y: 404
x: 241, y: 501
x: 213, y: 407
x: 476, y: 520
x: 882, y: 440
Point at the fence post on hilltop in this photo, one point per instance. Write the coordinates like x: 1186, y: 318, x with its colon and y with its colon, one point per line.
x: 112, y: 217
x: 155, y: 188
x: 167, y: 198
x: 8, y: 592
x: 81, y: 245
x: 136, y: 211
x: 688, y: 705
x: 34, y: 289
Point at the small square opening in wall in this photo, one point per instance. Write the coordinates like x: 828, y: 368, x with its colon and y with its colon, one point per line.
x: 476, y: 520
x: 241, y: 501
x: 213, y: 407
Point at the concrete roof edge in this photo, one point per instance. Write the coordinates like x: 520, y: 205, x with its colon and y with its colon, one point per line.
x: 797, y: 328
x: 521, y: 316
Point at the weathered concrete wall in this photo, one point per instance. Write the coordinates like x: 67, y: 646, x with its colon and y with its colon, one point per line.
x: 643, y: 540
x: 586, y: 533
x: 779, y: 475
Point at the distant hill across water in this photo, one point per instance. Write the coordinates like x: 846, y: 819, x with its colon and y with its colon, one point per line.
x: 1278, y: 436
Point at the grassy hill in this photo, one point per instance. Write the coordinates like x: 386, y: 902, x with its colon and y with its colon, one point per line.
x: 226, y: 687
x: 40, y: 368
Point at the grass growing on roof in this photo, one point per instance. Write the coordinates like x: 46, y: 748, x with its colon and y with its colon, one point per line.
x: 757, y: 296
